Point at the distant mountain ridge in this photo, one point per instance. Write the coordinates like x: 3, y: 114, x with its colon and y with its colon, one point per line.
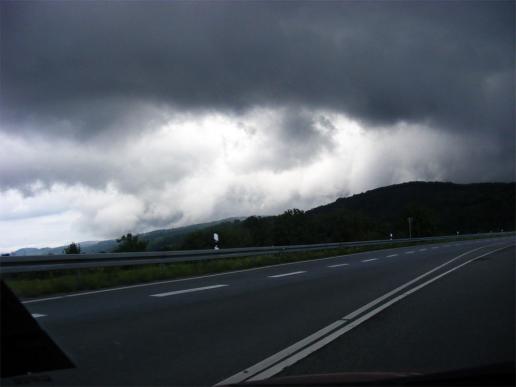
x: 157, y: 240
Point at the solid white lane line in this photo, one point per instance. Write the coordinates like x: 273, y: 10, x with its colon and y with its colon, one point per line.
x: 278, y: 367
x: 44, y: 299
x: 264, y: 364
x: 286, y: 274
x: 369, y: 260
x: 410, y: 252
x: 392, y: 255
x: 38, y: 315
x: 187, y: 291
x: 339, y: 265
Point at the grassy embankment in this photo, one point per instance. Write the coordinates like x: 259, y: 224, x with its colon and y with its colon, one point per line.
x: 27, y: 285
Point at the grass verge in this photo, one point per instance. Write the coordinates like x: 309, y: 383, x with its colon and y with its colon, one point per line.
x: 30, y: 285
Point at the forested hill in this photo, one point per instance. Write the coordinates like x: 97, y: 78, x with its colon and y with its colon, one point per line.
x: 466, y: 207
x: 436, y: 209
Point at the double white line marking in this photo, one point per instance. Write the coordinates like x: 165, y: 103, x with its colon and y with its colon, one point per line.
x: 292, y: 354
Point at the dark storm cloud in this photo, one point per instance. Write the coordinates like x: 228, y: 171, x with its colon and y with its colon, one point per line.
x: 76, y: 67
x: 298, y: 139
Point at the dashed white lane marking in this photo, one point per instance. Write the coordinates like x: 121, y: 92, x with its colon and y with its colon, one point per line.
x: 287, y: 274
x: 38, y: 315
x: 120, y: 288
x: 422, y: 249
x: 339, y: 265
x: 392, y: 255
x: 187, y: 291
x: 410, y: 252
x: 369, y: 260
x: 435, y: 247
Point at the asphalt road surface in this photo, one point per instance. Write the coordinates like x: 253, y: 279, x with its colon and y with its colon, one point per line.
x: 420, y: 308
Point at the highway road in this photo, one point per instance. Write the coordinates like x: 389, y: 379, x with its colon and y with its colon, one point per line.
x: 418, y: 308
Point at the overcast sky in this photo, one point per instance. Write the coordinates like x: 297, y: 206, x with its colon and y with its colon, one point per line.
x: 127, y: 116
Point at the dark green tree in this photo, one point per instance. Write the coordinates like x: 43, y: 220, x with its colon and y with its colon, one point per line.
x: 291, y: 227
x: 73, y: 248
x: 130, y: 243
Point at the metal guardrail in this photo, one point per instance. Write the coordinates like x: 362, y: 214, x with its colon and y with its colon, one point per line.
x: 34, y: 263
